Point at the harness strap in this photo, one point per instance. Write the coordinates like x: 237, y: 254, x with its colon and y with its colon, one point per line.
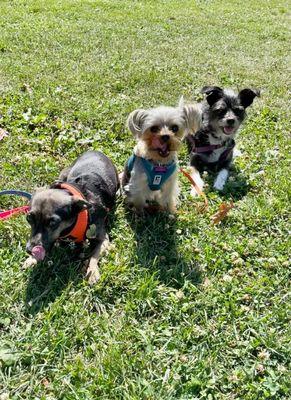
x: 78, y: 232
x: 157, y: 175
x: 211, y: 147
x: 227, y: 151
x: 205, y: 149
x: 130, y: 162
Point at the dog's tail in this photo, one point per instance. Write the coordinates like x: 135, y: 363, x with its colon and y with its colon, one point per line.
x: 193, y: 116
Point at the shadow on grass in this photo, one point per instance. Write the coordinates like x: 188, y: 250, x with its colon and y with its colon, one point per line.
x: 157, y: 249
x: 236, y: 186
x: 48, y: 279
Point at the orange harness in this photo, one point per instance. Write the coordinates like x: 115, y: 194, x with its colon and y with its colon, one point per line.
x: 78, y: 233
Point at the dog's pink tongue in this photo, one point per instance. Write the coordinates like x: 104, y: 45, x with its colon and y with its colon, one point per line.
x: 38, y: 252
x: 228, y: 130
x: 158, y: 145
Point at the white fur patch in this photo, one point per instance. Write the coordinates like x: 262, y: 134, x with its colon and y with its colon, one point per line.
x: 221, y: 179
x: 237, y: 153
x: 215, y: 154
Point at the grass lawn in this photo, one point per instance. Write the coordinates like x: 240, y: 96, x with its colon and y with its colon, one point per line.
x: 184, y: 309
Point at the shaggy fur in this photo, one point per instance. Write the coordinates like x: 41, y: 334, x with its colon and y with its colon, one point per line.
x: 159, y: 133
x: 222, y: 113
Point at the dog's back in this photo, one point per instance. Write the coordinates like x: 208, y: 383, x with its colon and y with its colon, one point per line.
x: 93, y: 172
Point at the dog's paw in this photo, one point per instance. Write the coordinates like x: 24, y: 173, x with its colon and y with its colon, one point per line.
x: 221, y: 180
x: 29, y: 262
x: 172, y: 209
x: 219, y: 186
x: 92, y: 272
x: 106, y: 246
x: 93, y: 277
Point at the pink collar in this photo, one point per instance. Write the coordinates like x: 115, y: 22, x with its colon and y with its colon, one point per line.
x: 205, y: 149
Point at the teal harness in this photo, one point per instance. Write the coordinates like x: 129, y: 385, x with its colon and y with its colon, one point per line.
x: 157, y: 174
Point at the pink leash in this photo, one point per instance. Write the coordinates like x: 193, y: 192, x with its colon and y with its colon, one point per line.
x: 13, y: 211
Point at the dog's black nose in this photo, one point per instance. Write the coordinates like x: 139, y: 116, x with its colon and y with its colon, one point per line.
x: 230, y: 121
x: 165, y: 138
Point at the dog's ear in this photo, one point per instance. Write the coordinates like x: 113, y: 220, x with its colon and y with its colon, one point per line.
x: 135, y: 121
x: 246, y: 96
x: 213, y: 94
x: 192, y: 116
x: 79, y: 205
x: 181, y: 102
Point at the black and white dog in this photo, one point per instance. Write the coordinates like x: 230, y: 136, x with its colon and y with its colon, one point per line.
x: 211, y: 147
x: 74, y: 207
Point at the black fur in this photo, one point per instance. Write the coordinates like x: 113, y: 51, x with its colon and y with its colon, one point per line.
x: 96, y: 178
x: 221, y: 110
x: 200, y: 161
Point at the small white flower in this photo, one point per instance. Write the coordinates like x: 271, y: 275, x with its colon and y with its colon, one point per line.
x: 264, y: 355
x: 227, y: 278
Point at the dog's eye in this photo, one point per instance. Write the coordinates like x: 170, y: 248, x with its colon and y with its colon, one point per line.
x: 238, y: 110
x: 174, y: 128
x: 154, y: 129
x: 53, y: 222
x: 221, y: 112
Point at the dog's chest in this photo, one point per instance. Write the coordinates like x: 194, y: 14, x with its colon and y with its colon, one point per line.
x: 215, y: 155
x: 138, y: 183
x: 157, y: 175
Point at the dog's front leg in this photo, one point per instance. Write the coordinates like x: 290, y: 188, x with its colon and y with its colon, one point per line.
x: 92, y: 272
x: 139, y: 205
x: 29, y: 262
x: 169, y: 194
x: 195, y: 175
x: 221, y: 179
